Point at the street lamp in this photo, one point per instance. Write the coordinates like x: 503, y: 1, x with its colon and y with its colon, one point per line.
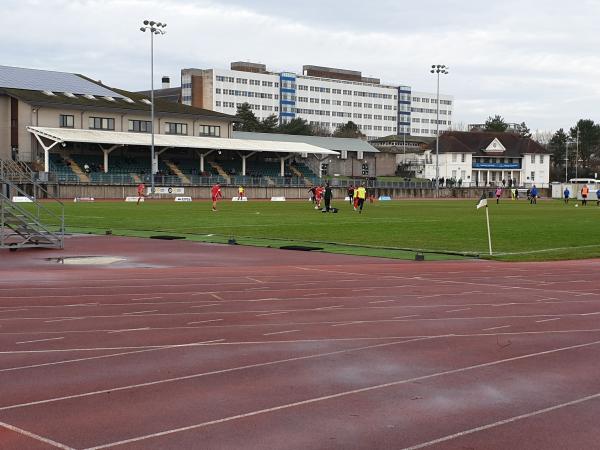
x: 154, y: 28
x: 437, y: 69
x: 566, y: 161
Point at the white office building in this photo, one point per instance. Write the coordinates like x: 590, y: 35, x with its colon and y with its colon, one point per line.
x: 322, y: 96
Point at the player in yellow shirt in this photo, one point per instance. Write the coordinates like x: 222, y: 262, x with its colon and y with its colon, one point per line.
x: 241, y: 193
x: 361, y: 193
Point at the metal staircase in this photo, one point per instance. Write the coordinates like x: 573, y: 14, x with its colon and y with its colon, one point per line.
x: 30, y: 224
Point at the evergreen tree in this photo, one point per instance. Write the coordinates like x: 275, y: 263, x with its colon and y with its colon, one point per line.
x: 558, y: 146
x: 295, y: 126
x: 247, y: 121
x: 496, y: 123
x: 523, y: 130
x: 269, y: 124
x: 348, y: 130
x: 589, y: 138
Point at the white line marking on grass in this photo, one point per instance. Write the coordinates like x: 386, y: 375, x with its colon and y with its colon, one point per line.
x: 504, y: 422
x: 205, y: 321
x: 41, y: 340
x: 272, y: 313
x: 129, y: 329
x: 351, y: 392
x: 546, y: 320
x: 457, y: 310
x: 280, y: 332
x: 217, y: 372
x: 496, y: 328
x: 37, y: 437
x: 140, y: 312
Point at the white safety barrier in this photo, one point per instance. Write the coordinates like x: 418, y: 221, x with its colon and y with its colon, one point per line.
x: 133, y: 199
x: 385, y: 198
x: 183, y: 199
x: 237, y: 199
x: 83, y: 199
x: 19, y: 199
x: 278, y: 199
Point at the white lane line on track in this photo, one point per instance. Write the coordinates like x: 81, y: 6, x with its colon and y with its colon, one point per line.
x: 37, y: 437
x: 215, y: 372
x: 204, y: 306
x: 547, y: 320
x: 145, y: 298
x: 348, y: 393
x: 254, y: 279
x: 346, y: 323
x: 296, y: 341
x: 280, y: 332
x: 272, y: 313
x: 205, y: 321
x: 12, y: 310
x: 383, y: 301
x: 218, y: 297
x: 327, y: 307
x: 65, y: 319
x: 496, y: 328
x: 41, y: 340
x: 140, y: 312
x: 129, y: 329
x: 457, y: 310
x: 406, y: 317
x: 504, y: 422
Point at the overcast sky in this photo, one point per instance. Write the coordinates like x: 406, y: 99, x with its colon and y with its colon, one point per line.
x: 535, y: 61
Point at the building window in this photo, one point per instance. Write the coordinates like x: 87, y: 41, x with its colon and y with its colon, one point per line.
x: 365, y: 169
x: 140, y: 126
x: 454, y: 157
x: 532, y: 175
x: 210, y: 130
x: 463, y: 157
x: 102, y: 123
x: 532, y: 159
x: 67, y: 121
x: 176, y: 128
x: 541, y: 159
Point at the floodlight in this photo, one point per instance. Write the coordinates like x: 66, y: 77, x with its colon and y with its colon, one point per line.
x: 142, y: 29
x: 146, y: 22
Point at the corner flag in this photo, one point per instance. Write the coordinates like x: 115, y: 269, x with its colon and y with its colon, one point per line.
x: 482, y: 201
x: 481, y: 204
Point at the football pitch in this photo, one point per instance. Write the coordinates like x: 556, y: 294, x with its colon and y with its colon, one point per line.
x: 444, y: 229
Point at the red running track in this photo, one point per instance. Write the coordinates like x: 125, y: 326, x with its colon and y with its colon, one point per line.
x: 184, y: 345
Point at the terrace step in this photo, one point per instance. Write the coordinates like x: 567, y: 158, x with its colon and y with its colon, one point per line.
x: 83, y: 177
x: 177, y: 171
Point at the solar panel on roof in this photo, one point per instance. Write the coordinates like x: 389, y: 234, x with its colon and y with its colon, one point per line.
x: 46, y: 80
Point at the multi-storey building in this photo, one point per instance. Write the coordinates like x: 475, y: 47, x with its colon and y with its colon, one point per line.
x: 324, y: 97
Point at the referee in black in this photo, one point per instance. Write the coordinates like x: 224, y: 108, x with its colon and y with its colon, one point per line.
x: 327, y: 197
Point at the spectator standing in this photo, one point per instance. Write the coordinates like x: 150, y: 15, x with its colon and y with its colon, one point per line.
x: 216, y: 194
x: 328, y: 195
x: 498, y: 194
x: 533, y: 195
x: 585, y: 191
x: 598, y: 197
x: 361, y: 194
x: 140, y: 191
x: 566, y: 195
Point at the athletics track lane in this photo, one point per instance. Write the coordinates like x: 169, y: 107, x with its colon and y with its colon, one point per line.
x: 318, y: 351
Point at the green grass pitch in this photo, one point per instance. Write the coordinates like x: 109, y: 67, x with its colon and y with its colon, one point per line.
x: 549, y: 230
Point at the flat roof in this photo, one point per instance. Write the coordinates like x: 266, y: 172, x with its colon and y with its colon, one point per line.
x: 167, y: 140
x: 331, y: 143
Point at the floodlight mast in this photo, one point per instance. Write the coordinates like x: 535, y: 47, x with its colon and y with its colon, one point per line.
x: 437, y: 69
x: 154, y: 28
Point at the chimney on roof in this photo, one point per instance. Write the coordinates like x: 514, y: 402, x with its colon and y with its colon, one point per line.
x: 166, y: 82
